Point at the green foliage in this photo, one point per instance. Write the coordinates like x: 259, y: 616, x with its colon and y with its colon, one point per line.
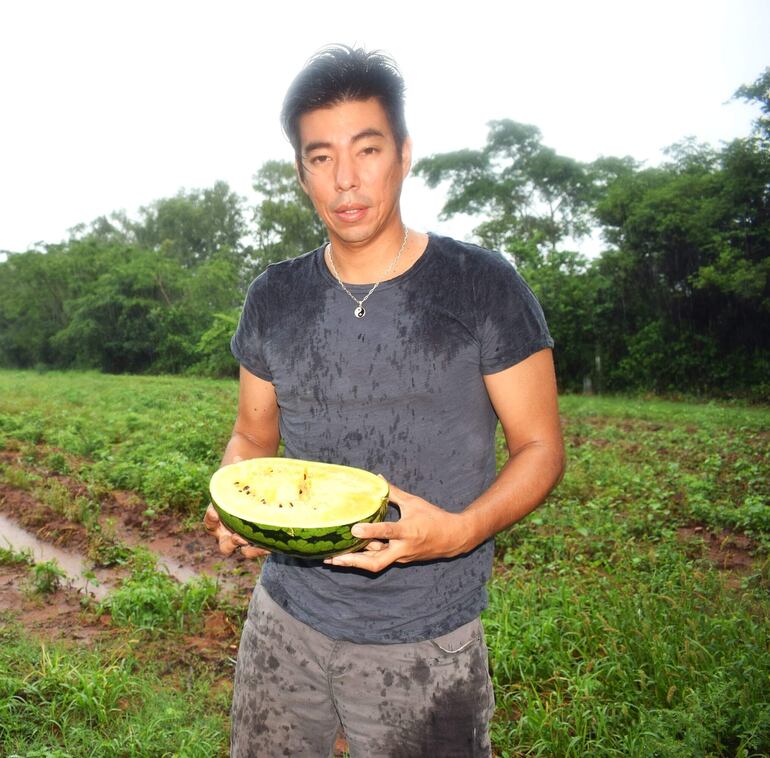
x: 619, y: 622
x: 758, y: 92
x: 213, y: 348
x: 151, y: 599
x: 598, y: 670
x: 57, y: 496
x: 194, y: 227
x: 46, y: 577
x: 610, y: 632
x: 532, y: 198
x: 671, y: 305
x: 104, y: 547
x: 155, y: 294
x: 58, y: 702
x: 691, y: 271
x: 567, y: 288
x: 17, y: 477
x: 160, y: 436
x: 11, y: 557
x: 286, y: 222
x: 126, y: 296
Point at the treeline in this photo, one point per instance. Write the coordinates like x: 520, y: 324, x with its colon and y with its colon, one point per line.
x: 160, y: 293
x: 677, y: 302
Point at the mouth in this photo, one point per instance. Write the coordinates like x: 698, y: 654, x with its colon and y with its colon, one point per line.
x: 350, y: 212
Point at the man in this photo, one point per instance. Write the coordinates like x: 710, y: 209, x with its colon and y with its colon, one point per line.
x: 396, y: 352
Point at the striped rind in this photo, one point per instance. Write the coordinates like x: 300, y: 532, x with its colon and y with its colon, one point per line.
x: 316, y: 542
x: 298, y: 542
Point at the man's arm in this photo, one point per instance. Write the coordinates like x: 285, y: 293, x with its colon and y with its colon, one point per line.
x: 255, y: 435
x: 525, y: 400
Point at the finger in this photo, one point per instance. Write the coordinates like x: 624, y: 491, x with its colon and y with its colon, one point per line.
x: 249, y: 551
x: 382, y: 530
x: 211, y: 518
x: 226, y: 544
x: 368, y: 561
x: 375, y: 545
x: 398, y: 496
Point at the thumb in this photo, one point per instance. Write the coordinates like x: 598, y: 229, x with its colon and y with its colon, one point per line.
x: 397, y: 495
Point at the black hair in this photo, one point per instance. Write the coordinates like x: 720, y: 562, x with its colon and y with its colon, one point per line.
x: 338, y: 74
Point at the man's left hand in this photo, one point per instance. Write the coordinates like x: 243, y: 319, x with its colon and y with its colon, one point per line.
x: 423, y: 532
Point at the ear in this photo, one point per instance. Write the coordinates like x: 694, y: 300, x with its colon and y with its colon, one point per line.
x: 406, y: 157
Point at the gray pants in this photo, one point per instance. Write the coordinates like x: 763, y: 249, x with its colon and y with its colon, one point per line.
x: 294, y: 687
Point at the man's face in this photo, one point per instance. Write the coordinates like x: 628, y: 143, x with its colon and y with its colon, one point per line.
x: 352, y: 170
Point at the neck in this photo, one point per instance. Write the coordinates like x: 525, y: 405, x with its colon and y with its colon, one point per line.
x: 373, y: 261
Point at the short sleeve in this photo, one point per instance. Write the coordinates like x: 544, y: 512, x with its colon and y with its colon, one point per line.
x: 247, y: 344
x: 512, y: 323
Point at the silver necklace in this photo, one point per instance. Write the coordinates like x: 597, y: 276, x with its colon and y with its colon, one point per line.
x: 359, y: 311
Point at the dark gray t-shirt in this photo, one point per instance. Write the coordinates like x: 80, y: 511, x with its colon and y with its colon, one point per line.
x: 401, y: 393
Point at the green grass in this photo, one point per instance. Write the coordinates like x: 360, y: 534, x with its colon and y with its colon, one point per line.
x: 612, y: 630
x: 159, y: 436
x: 11, y: 557
x: 149, y: 599
x: 72, y: 702
x: 661, y: 661
x: 46, y: 577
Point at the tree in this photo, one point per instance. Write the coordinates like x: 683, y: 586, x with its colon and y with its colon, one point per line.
x: 690, y: 269
x: 758, y: 92
x: 286, y: 222
x: 37, y: 289
x: 530, y: 197
x: 193, y: 227
x: 118, y: 323
x: 566, y: 286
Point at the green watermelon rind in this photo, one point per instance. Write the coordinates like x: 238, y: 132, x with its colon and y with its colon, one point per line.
x: 297, y: 542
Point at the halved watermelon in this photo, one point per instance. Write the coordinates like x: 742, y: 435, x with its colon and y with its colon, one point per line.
x: 300, y: 508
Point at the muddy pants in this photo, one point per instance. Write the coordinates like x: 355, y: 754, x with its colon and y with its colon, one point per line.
x: 294, y: 687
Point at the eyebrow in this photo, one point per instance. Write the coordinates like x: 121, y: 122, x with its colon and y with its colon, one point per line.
x: 363, y: 134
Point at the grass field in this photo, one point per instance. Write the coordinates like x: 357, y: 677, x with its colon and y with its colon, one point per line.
x: 628, y: 615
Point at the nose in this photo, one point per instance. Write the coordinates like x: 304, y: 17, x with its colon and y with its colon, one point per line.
x: 346, y: 176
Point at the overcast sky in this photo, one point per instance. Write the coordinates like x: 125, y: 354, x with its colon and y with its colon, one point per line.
x: 110, y: 105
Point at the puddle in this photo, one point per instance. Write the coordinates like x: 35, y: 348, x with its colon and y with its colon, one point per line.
x: 18, y: 538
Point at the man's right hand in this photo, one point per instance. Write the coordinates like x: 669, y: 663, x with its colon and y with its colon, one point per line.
x: 228, y: 541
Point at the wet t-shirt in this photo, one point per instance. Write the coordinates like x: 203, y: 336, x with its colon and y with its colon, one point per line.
x: 399, y: 392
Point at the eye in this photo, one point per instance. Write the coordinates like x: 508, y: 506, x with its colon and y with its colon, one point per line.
x: 370, y: 150
x: 317, y: 160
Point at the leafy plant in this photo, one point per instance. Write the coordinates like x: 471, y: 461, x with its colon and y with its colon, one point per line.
x: 11, y: 557
x: 151, y: 599
x: 46, y: 577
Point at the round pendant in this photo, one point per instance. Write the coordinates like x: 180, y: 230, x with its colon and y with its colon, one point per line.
x: 359, y: 312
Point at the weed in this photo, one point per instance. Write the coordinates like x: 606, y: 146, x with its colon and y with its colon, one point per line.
x: 17, y: 477
x: 46, y: 577
x: 11, y: 557
x: 595, y: 669
x: 55, y: 495
x: 57, y: 463
x: 151, y: 599
x: 58, y: 702
x: 104, y: 548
